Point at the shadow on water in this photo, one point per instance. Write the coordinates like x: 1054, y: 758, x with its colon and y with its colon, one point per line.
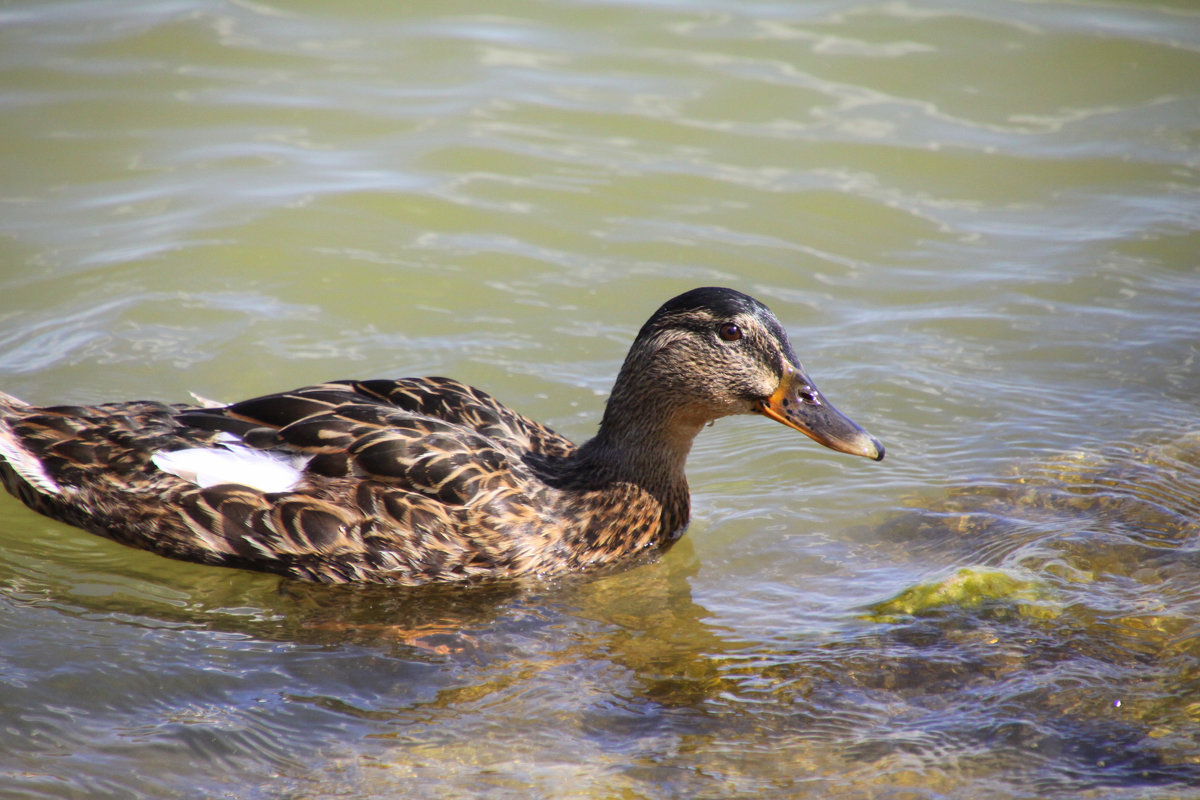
x: 1055, y: 648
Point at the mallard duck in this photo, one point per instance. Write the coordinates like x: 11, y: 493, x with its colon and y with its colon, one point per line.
x: 418, y: 480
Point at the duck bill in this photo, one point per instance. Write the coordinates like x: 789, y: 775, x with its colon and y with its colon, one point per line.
x: 798, y: 404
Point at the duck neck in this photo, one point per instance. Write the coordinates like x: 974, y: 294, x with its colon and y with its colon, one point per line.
x: 634, y: 449
x: 645, y: 444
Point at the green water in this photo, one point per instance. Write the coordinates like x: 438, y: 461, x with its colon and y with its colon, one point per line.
x: 978, y: 220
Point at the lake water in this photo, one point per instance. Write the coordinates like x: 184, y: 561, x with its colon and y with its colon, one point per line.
x: 980, y: 222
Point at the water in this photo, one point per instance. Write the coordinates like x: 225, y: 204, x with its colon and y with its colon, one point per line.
x: 979, y: 221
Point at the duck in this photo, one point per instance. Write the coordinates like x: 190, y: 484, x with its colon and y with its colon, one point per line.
x: 416, y: 481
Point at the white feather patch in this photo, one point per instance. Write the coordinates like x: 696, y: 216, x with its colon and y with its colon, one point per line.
x: 233, y: 463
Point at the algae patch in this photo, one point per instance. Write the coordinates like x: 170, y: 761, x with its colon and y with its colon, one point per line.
x: 967, y: 589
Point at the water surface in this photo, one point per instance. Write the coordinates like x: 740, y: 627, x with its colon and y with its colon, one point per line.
x: 978, y: 220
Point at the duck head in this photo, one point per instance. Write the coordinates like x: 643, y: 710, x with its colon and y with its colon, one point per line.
x: 712, y: 352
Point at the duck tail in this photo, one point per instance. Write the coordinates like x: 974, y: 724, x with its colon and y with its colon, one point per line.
x: 8, y: 403
x: 19, y: 467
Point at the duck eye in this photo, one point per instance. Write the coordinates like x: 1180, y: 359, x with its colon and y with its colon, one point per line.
x: 729, y: 332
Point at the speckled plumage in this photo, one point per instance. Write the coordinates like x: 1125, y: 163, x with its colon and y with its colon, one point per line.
x: 424, y: 479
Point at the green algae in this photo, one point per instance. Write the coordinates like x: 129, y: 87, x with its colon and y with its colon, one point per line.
x: 967, y: 589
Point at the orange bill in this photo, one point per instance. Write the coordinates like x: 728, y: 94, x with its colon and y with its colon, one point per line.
x: 798, y: 404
